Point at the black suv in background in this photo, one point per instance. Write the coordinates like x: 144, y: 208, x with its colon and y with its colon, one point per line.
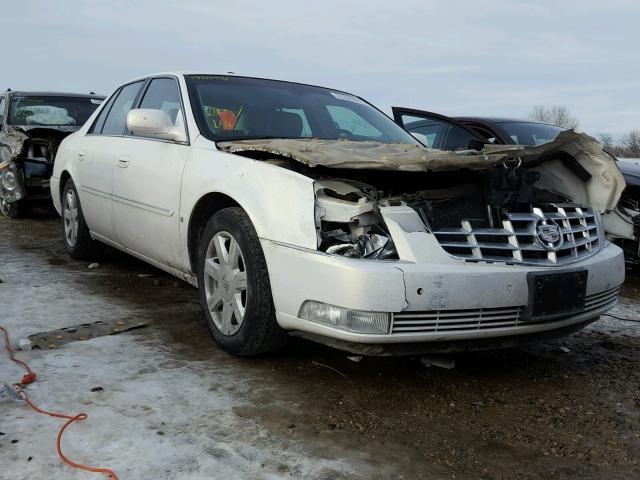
x: 32, y: 125
x: 453, y: 133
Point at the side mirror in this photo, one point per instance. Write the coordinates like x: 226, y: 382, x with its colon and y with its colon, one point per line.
x: 150, y: 122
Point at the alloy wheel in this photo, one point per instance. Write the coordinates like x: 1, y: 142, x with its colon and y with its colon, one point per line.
x: 4, y: 206
x: 225, y: 279
x: 70, y: 217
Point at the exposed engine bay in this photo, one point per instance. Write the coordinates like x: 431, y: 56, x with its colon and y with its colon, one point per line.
x: 497, y: 216
x: 536, y: 205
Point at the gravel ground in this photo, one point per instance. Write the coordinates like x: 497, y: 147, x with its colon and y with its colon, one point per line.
x: 172, y: 405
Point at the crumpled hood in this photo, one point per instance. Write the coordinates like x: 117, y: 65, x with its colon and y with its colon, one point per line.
x: 601, y: 189
x: 416, y: 158
x: 13, y: 138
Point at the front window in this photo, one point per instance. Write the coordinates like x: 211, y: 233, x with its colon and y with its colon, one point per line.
x: 51, y: 110
x: 531, y: 133
x: 437, y: 133
x: 239, y: 108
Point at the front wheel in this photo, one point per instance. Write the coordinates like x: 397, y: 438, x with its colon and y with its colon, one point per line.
x: 17, y: 209
x: 75, y: 233
x: 235, y: 292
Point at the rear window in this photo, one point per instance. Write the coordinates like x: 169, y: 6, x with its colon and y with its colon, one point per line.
x: 531, y: 133
x: 51, y: 110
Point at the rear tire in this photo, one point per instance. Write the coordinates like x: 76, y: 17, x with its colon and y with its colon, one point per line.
x: 75, y: 233
x: 234, y: 287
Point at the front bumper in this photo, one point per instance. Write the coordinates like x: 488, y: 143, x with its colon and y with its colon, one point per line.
x: 440, y: 300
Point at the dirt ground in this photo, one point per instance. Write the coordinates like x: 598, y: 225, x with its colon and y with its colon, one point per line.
x: 171, y: 405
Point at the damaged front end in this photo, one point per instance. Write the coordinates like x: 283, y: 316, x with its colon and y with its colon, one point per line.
x: 27, y: 156
x: 623, y: 224
x: 11, y: 181
x: 538, y: 205
x: 348, y: 221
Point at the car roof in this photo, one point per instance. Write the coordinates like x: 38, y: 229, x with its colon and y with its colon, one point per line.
x: 498, y: 120
x: 22, y: 93
x: 227, y: 74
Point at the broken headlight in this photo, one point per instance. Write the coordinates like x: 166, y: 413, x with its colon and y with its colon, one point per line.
x: 358, y: 321
x: 348, y: 221
x: 10, y: 184
x: 8, y: 180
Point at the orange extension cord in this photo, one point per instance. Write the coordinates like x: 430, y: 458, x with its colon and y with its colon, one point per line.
x: 30, y: 377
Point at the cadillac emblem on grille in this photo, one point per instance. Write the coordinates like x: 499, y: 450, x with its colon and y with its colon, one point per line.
x: 549, y: 234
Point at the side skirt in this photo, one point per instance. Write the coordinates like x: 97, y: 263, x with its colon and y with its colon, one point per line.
x: 187, y: 277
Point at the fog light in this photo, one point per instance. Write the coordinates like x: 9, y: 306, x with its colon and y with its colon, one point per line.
x: 8, y: 180
x: 352, y: 320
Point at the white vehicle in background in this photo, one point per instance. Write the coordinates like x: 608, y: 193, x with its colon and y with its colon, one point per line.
x: 305, y: 210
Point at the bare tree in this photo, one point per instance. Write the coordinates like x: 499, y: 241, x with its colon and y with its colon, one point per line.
x: 556, y: 115
x: 607, y: 141
x: 631, y: 143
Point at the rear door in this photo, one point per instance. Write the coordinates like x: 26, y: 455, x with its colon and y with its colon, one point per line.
x: 435, y: 130
x: 147, y: 181
x: 96, y: 156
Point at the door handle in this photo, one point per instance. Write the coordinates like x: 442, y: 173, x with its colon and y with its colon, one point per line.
x: 123, y: 161
x: 80, y: 156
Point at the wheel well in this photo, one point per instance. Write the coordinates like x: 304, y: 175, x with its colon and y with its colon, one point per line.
x: 202, y: 212
x: 63, y: 181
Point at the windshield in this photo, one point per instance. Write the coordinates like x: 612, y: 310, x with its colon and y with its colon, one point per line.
x: 238, y: 108
x: 50, y: 111
x: 531, y: 133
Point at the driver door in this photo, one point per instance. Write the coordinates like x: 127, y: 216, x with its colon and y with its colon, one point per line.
x: 147, y: 181
x: 436, y: 131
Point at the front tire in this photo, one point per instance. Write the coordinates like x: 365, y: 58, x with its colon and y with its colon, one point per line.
x: 234, y: 287
x: 17, y: 209
x: 75, y: 233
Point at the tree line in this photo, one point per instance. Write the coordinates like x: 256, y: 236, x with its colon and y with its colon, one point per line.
x: 626, y: 145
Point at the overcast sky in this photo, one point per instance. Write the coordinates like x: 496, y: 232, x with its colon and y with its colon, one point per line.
x: 490, y: 57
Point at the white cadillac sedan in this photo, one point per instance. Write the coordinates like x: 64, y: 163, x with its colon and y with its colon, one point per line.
x: 304, y: 210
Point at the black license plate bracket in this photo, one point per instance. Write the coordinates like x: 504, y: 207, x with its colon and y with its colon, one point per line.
x: 557, y: 294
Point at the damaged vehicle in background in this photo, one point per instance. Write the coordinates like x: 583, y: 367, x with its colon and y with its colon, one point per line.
x: 453, y: 133
x: 304, y: 210
x: 32, y: 125
x: 629, y: 209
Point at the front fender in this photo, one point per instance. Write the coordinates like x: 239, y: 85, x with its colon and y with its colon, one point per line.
x: 279, y: 202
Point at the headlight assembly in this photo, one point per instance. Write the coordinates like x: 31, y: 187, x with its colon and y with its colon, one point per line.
x: 8, y: 180
x: 348, y: 222
x: 10, y: 183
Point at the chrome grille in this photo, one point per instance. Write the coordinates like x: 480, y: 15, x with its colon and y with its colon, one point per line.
x: 519, y: 242
x: 477, y: 319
